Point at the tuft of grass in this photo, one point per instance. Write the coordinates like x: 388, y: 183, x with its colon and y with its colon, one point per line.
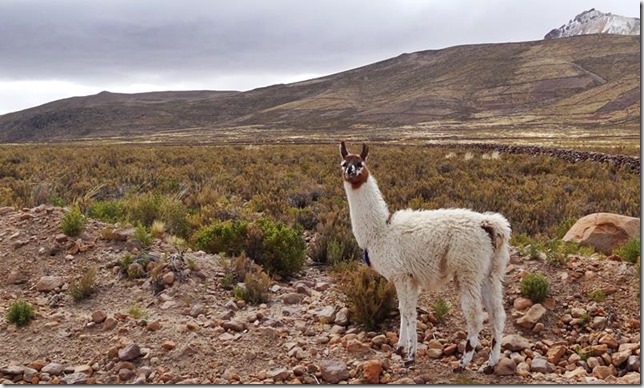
x: 20, y: 312
x: 137, y: 312
x: 534, y: 286
x: 582, y: 354
x: 84, y: 287
x: 141, y: 233
x: 441, y: 308
x: 257, y: 284
x: 597, y: 295
x: 630, y: 251
x: 157, y: 230
x: 370, y: 297
x: 73, y: 222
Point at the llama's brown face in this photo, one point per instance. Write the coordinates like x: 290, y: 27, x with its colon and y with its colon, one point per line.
x: 354, y: 169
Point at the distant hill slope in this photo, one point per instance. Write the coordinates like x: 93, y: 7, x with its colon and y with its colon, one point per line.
x: 596, y: 22
x: 589, y: 80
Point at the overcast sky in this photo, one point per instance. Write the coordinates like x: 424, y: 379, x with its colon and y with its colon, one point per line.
x: 56, y: 49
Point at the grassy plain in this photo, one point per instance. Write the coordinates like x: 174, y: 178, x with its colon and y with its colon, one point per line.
x: 300, y: 185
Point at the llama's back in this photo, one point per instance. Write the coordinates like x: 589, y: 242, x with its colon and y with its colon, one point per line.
x: 436, y: 244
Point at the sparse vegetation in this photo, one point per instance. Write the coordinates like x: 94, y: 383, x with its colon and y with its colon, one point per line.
x: 73, y: 222
x: 629, y: 251
x: 142, y: 234
x: 440, y: 308
x: 20, y: 312
x: 83, y: 287
x: 137, y: 312
x: 597, y: 295
x: 534, y: 286
x: 370, y: 297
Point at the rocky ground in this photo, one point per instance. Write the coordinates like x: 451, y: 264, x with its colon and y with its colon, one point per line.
x: 194, y: 332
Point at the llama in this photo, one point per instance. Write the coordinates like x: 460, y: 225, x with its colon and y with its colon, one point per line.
x: 426, y: 249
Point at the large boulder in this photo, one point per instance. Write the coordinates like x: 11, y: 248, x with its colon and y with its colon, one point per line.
x: 604, y: 231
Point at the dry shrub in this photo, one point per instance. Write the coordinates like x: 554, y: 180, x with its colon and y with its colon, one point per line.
x: 370, y: 297
x: 84, y: 287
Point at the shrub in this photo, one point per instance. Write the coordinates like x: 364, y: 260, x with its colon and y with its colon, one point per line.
x: 441, y: 308
x: 534, y: 286
x: 254, y: 290
x: 334, y: 243
x: 235, y: 270
x: 84, y: 287
x: 73, y: 222
x: 370, y: 297
x: 222, y: 237
x: 282, y: 250
x: 629, y: 251
x: 108, y: 211
x: 149, y: 207
x: 141, y: 233
x: 20, y: 312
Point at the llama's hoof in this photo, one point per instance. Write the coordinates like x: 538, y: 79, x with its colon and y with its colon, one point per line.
x: 409, y: 363
x: 459, y: 369
x: 400, y: 350
x: 488, y: 370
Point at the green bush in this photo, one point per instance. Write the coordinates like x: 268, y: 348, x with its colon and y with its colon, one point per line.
x: 370, y: 297
x: 73, y: 222
x: 142, y: 234
x: 111, y: 211
x: 227, y: 237
x: 334, y: 243
x: 20, y: 312
x: 282, y: 250
x: 534, y: 286
x: 278, y: 248
x: 84, y: 287
x: 149, y: 207
x: 629, y: 251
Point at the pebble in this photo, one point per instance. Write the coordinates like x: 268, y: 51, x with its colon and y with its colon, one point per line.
x: 333, y: 371
x: 130, y: 352
x: 505, y: 367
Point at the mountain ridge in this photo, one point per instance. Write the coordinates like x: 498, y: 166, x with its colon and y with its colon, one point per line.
x: 596, y: 22
x: 589, y: 80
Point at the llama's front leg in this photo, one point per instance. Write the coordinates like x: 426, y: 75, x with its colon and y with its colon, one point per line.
x: 470, y: 303
x: 408, y: 299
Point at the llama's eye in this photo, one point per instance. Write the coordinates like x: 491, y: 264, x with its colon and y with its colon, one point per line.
x: 343, y: 164
x: 359, y: 165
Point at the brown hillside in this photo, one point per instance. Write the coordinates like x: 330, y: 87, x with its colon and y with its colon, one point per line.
x: 589, y: 82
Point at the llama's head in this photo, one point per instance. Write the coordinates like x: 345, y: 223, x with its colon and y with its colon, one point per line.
x: 354, y: 169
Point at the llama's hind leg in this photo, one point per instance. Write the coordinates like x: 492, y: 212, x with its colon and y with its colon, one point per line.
x: 493, y: 299
x: 408, y: 298
x: 470, y: 303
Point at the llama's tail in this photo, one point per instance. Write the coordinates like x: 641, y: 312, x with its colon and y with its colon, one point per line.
x: 498, y: 228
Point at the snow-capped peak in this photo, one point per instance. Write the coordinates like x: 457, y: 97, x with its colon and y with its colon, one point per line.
x: 596, y: 22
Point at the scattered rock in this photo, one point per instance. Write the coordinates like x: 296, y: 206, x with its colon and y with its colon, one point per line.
x: 342, y: 317
x: 49, y: 283
x: 293, y: 298
x: 168, y: 278
x: 522, y: 303
x: 277, y: 375
x: 130, y: 352
x: 98, y: 317
x: 53, y: 368
x: 555, y: 353
x: 169, y: 345
x: 233, y: 326
x: 604, y: 231
x: 540, y: 364
x: 74, y: 378
x: 532, y: 316
x: 17, y: 276
x: 505, y: 367
x: 514, y: 342
x: 371, y: 371
x: 333, y: 371
x: 326, y: 315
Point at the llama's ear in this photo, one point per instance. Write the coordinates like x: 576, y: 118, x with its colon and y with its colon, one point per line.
x: 365, y: 151
x: 343, y: 150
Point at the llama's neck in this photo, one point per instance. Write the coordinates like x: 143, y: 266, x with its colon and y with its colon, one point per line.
x: 369, y: 212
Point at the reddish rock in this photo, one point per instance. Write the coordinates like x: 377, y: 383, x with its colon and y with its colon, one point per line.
x: 98, y: 317
x: 371, y: 371
x: 604, y: 231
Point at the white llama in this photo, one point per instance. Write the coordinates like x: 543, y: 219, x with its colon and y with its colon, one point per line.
x: 426, y: 249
